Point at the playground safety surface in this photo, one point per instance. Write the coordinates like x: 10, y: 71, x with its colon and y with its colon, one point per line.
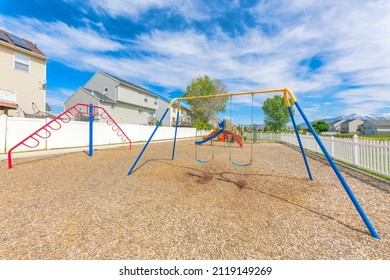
x: 78, y: 207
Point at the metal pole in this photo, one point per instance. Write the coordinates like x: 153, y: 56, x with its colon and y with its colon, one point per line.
x: 341, y: 178
x: 174, y: 140
x: 300, y: 143
x: 91, y: 116
x: 147, y: 143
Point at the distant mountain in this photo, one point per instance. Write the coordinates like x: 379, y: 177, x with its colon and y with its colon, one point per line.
x: 363, y: 117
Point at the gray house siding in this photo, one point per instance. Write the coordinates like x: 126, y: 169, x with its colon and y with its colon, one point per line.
x: 128, y: 113
x: 162, y: 107
x: 125, y: 102
x: 103, y: 84
x: 138, y: 98
x: 375, y: 127
x: 81, y: 96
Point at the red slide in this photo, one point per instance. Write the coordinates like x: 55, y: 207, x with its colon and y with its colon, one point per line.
x: 238, y: 140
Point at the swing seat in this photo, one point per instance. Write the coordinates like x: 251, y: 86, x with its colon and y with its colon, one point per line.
x: 202, y: 161
x: 241, y: 164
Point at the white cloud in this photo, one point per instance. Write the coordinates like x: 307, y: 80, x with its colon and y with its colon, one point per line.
x: 351, y: 38
x: 189, y: 9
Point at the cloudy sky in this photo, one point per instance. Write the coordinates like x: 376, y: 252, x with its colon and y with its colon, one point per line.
x: 334, y: 55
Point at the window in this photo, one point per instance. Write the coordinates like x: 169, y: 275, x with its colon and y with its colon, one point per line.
x: 140, y: 111
x: 22, y: 62
x: 145, y: 98
x: 155, y: 102
x: 112, y: 106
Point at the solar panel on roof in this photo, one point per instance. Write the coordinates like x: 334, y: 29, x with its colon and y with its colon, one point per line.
x: 2, y: 37
x: 19, y: 41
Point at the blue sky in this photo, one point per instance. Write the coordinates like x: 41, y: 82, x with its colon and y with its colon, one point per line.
x: 334, y: 55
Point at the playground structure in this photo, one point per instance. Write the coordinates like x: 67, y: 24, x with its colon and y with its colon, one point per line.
x: 224, y: 133
x: 290, y: 100
x: 80, y: 109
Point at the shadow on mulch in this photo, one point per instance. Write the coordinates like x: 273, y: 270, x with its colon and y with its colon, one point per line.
x: 203, y: 177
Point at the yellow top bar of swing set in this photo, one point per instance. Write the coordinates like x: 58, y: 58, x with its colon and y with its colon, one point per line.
x: 286, y: 93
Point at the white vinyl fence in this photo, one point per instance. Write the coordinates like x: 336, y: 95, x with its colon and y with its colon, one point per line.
x: 76, y: 134
x: 369, y: 154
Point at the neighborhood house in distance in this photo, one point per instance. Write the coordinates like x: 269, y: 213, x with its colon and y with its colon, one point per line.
x: 126, y: 102
x: 361, y: 124
x: 23, y: 77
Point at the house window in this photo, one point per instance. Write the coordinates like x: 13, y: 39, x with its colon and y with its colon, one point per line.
x: 22, y: 62
x: 112, y: 106
x: 140, y: 111
x: 155, y: 102
x: 145, y: 98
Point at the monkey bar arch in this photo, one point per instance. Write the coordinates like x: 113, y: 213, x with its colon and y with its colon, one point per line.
x: 288, y: 96
x: 33, y: 140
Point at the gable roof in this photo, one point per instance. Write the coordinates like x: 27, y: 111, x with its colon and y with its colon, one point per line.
x: 124, y: 82
x: 98, y: 95
x: 21, y: 43
x: 379, y: 123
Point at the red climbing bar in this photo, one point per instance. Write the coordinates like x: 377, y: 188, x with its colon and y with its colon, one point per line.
x: 74, y: 111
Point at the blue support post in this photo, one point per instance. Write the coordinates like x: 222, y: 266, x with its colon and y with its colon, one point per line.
x: 91, y: 116
x: 174, y: 140
x: 341, y: 178
x: 300, y: 142
x: 147, y: 143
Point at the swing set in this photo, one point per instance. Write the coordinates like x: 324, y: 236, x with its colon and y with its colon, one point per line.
x: 289, y: 100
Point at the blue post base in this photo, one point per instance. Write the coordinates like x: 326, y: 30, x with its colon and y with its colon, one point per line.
x: 340, y: 177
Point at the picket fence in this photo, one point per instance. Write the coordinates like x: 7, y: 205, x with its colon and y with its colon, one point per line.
x: 368, y: 154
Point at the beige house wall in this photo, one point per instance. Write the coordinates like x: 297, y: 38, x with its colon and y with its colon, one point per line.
x: 26, y: 84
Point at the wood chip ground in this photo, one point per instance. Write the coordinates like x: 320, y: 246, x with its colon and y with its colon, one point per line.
x: 78, y: 207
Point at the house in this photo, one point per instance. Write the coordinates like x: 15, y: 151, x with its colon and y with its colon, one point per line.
x: 170, y: 119
x: 23, y: 76
x: 351, y: 126
x: 375, y: 127
x: 124, y: 101
x: 336, y: 126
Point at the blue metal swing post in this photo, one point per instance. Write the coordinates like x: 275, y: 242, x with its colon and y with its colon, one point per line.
x: 341, y: 178
x: 300, y: 142
x: 147, y: 143
x: 91, y: 117
x: 177, y: 123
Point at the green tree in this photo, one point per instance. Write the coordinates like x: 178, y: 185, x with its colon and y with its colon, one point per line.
x: 320, y: 126
x: 276, y: 113
x: 205, y: 109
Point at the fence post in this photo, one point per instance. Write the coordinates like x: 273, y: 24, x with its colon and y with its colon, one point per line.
x: 355, y: 149
x: 307, y: 140
x: 332, y: 146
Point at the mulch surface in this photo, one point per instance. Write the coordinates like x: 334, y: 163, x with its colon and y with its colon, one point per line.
x: 78, y: 207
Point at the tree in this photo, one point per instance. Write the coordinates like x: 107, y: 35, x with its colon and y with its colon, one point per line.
x: 205, y: 109
x: 320, y: 126
x: 276, y: 113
